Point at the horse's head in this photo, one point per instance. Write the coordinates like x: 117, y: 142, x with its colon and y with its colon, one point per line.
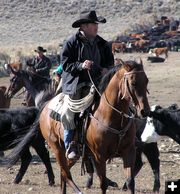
x: 135, y: 86
x: 16, y: 83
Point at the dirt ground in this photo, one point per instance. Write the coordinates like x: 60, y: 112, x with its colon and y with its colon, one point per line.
x: 164, y: 89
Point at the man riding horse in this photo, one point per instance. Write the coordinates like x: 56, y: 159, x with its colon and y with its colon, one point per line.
x: 39, y: 68
x: 85, y: 51
x: 37, y: 72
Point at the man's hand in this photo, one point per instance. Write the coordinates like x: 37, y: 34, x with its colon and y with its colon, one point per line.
x: 31, y: 70
x: 87, y: 64
x: 104, y: 71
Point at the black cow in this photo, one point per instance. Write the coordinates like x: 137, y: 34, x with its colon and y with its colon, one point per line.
x: 14, y: 123
x: 163, y: 122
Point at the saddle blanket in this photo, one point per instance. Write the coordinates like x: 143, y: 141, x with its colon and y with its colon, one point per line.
x: 56, y: 105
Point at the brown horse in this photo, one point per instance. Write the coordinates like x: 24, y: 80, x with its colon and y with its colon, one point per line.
x: 110, y: 128
x: 4, y: 101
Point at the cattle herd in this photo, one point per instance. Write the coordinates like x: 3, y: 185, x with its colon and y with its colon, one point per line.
x: 164, y: 33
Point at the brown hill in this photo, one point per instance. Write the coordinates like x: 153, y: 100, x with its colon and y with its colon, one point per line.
x: 28, y: 23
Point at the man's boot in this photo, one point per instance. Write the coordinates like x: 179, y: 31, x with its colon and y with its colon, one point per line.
x: 71, y: 151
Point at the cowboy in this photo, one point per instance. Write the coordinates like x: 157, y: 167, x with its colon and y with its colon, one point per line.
x: 40, y: 66
x: 39, y: 71
x: 82, y: 52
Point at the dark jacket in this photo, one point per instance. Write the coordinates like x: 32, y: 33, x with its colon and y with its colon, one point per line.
x: 42, y: 66
x: 72, y: 60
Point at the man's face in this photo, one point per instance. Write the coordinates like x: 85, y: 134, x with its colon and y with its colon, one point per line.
x: 90, y: 30
x: 40, y: 54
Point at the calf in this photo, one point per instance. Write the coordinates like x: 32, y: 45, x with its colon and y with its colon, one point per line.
x: 159, y: 51
x: 118, y: 47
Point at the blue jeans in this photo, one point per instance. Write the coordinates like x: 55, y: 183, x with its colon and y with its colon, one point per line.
x: 68, y: 137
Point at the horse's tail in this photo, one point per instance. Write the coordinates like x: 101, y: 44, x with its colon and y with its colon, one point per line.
x: 9, y: 139
x: 23, y: 145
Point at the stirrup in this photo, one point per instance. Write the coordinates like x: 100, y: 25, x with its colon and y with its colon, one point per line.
x: 71, y: 152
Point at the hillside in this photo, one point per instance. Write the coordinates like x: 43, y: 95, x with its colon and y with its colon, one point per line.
x: 28, y: 23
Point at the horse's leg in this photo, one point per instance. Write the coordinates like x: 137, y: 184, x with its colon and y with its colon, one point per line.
x: 90, y: 170
x: 101, y: 172
x: 64, y: 167
x: 63, y: 185
x: 25, y: 161
x: 39, y: 146
x: 152, y: 153
x: 138, y: 165
x: 129, y: 161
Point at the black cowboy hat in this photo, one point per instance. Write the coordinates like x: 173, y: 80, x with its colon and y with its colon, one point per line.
x: 40, y: 49
x: 89, y: 17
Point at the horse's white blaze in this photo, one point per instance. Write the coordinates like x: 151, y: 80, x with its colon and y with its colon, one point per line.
x: 149, y: 134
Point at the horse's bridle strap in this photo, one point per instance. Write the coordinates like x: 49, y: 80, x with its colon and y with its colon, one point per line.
x: 118, y: 111
x: 121, y: 133
x: 132, y: 72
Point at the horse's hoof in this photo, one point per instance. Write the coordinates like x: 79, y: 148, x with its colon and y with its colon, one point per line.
x: 124, y: 188
x: 156, y: 190
x: 51, y: 183
x: 111, y: 183
x: 16, y: 181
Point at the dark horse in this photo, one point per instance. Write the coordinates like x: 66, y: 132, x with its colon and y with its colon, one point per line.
x: 4, y: 101
x: 110, y: 127
x: 14, y: 123
x: 28, y: 79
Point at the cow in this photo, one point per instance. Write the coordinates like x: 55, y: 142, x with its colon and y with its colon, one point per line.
x: 159, y: 51
x: 163, y: 122
x: 140, y: 45
x: 118, y: 47
x: 14, y: 123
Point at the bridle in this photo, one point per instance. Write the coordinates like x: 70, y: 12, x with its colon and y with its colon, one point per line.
x: 126, y: 89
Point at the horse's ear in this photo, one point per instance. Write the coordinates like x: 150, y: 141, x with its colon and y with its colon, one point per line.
x: 127, y: 67
x: 139, y: 61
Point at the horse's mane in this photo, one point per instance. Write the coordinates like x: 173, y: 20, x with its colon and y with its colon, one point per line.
x: 44, y: 96
x: 107, y: 77
x: 128, y: 65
